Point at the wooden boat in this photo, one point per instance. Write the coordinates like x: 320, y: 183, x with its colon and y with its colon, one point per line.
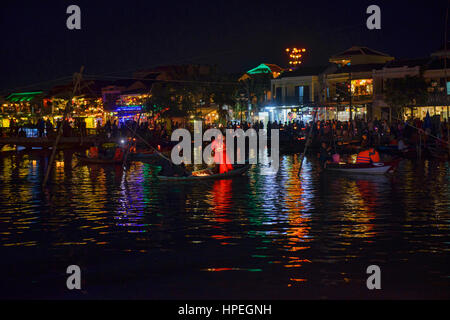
x: 207, y: 175
x: 85, y: 159
x: 362, y: 168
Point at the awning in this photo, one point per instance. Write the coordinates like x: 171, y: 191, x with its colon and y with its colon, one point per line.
x: 23, y: 96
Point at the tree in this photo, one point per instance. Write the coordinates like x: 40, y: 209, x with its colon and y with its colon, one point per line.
x: 254, y: 87
x: 405, y: 92
x: 224, y: 94
x: 187, y: 87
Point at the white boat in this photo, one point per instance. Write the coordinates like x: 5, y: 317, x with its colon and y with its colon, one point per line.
x: 362, y: 168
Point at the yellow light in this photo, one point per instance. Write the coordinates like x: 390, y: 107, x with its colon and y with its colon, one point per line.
x: 303, y: 50
x: 287, y: 49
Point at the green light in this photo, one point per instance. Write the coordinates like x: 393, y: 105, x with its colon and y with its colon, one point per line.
x: 23, y: 96
x: 262, y: 68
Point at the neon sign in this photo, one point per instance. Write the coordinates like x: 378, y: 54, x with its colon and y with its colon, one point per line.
x: 128, y: 108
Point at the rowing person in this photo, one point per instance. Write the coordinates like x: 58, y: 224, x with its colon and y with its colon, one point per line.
x: 169, y: 169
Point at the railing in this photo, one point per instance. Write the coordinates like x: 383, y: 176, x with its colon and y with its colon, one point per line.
x: 288, y: 101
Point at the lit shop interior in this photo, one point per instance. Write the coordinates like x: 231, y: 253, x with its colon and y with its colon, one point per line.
x: 306, y: 114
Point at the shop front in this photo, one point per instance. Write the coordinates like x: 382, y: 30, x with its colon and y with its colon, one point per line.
x: 421, y: 112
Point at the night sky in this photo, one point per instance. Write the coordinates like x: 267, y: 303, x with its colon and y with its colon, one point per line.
x: 121, y: 36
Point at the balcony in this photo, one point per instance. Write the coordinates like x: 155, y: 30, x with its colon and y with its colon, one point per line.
x: 290, y: 101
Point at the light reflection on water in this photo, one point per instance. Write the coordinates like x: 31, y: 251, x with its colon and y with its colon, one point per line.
x: 317, y: 229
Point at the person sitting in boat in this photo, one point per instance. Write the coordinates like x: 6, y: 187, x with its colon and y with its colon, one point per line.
x: 93, y: 152
x: 368, y: 156
x: 324, y: 154
x: 118, y: 154
x: 168, y: 169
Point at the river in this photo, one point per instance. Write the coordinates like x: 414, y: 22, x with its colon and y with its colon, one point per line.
x: 252, y: 237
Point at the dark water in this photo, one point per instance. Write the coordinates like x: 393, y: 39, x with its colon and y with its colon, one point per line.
x: 261, y: 237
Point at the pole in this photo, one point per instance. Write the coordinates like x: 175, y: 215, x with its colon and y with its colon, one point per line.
x: 350, y: 102
x: 308, y: 141
x: 77, y: 79
x: 132, y: 137
x: 445, y: 76
x: 249, y: 106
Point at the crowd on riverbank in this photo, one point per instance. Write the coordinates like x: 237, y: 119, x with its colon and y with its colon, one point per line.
x: 370, y: 133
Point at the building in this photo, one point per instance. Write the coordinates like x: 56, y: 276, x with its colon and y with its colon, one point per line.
x: 294, y: 94
x: 349, y: 89
x: 126, y: 99
x: 433, y: 71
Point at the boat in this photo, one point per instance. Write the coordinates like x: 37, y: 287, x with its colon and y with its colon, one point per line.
x: 362, y: 168
x: 85, y: 159
x: 206, y: 174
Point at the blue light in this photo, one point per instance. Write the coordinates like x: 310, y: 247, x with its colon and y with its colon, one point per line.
x: 128, y: 108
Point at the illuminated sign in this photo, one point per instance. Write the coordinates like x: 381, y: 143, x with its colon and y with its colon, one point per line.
x: 128, y: 108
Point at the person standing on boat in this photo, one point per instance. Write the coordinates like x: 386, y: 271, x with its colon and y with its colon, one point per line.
x: 220, y: 155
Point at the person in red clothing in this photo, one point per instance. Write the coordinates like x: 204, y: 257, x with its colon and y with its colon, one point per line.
x: 368, y: 156
x: 220, y: 155
x: 118, y: 155
x: 93, y: 152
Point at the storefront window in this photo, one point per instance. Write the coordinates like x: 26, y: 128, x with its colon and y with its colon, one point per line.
x: 362, y: 87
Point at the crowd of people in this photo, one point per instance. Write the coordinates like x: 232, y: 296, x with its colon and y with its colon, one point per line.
x: 370, y: 133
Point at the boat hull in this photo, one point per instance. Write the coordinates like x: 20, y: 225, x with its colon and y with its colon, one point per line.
x: 376, y: 168
x: 229, y: 174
